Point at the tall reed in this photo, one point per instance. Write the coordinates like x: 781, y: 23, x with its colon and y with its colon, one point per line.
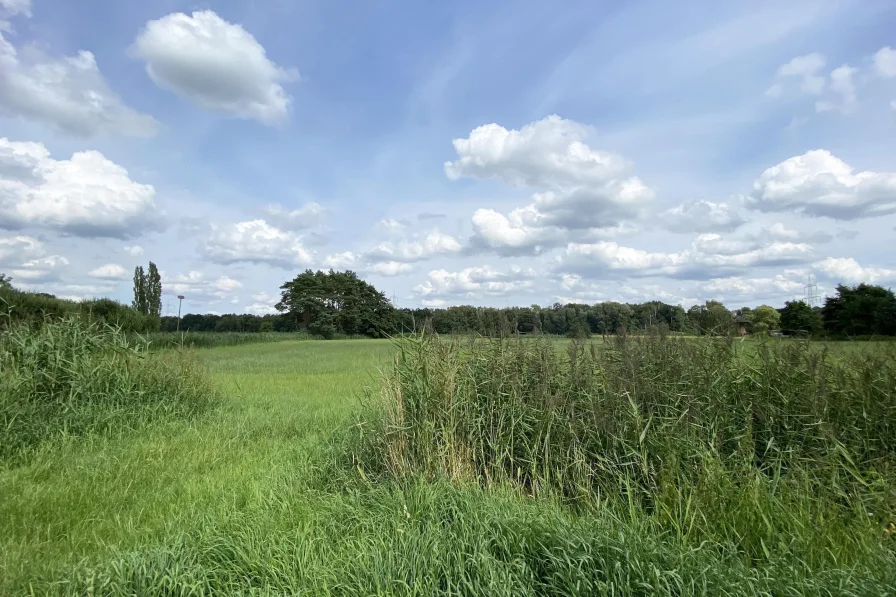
x: 751, y: 447
x: 70, y: 377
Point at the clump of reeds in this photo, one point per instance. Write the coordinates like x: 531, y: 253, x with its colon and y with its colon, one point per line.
x: 70, y: 377
x: 754, y: 444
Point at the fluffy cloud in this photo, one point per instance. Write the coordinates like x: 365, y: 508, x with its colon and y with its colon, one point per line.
x: 16, y: 249
x: 392, y: 268
x: 885, y: 62
x: 474, y: 282
x: 196, y: 287
x: 806, y: 69
x: 307, y: 216
x: 110, y: 271
x: 548, y: 153
x: 848, y: 270
x: 710, y: 256
x: 701, y: 216
x: 214, y: 64
x: 579, y: 189
x: 134, y: 250
x: 344, y: 260
x: 85, y: 196
x: 415, y: 249
x: 255, y: 241
x: 70, y: 93
x: 260, y: 309
x: 15, y: 7
x: 843, y: 88
x: 819, y: 184
x: 39, y: 271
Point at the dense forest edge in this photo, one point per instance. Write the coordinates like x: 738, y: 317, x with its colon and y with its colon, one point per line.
x: 340, y: 304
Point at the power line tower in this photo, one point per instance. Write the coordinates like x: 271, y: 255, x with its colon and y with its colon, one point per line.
x: 813, y: 299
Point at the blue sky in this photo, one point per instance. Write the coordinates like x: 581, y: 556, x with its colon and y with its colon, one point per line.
x: 453, y: 153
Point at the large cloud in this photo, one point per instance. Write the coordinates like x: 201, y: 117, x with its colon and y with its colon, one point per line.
x: 86, y: 195
x: 710, y: 256
x: 255, y: 241
x: 214, y: 64
x: 579, y: 189
x: 819, y: 184
x: 70, y: 94
x: 421, y: 248
x: 848, y: 271
x: 474, y: 282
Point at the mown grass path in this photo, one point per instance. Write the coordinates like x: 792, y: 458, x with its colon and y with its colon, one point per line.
x: 87, y: 500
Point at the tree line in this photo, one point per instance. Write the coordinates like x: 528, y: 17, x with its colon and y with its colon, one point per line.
x: 329, y: 304
x: 332, y: 304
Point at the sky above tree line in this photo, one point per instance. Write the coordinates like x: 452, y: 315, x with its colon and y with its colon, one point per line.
x: 509, y: 153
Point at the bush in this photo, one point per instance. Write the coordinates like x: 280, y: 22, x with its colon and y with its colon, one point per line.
x: 36, y: 308
x: 69, y: 377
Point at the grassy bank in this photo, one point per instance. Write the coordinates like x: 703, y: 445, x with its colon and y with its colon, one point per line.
x: 278, y: 492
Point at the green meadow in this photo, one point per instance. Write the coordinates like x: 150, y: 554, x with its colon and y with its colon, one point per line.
x: 446, y: 467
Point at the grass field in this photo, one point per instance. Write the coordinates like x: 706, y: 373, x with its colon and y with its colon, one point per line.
x: 254, y: 497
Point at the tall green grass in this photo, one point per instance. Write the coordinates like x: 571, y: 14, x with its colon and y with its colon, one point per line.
x: 782, y: 451
x: 69, y: 377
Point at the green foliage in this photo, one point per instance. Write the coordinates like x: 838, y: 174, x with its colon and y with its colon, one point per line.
x: 153, y: 291
x: 861, y: 310
x: 766, y: 319
x: 327, y: 303
x: 148, y: 291
x: 5, y: 281
x: 747, y: 451
x: 140, y: 303
x: 712, y: 318
x: 798, y: 318
x: 36, y: 308
x: 69, y: 377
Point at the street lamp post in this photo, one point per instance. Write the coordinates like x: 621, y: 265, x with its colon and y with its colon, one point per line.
x: 180, y: 300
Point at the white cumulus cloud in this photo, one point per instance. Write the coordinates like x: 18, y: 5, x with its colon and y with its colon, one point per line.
x: 579, y: 190
x: 474, y: 282
x: 819, y: 184
x: 423, y: 247
x: 134, y: 250
x: 806, y: 69
x: 87, y: 195
x: 69, y: 93
x: 216, y: 65
x: 110, y: 271
x: 885, y: 62
x: 847, y: 270
x: 255, y: 241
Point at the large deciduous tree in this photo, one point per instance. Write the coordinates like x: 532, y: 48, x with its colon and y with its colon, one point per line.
x: 766, y: 319
x: 861, y: 310
x: 798, y: 318
x: 5, y: 281
x: 326, y: 303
